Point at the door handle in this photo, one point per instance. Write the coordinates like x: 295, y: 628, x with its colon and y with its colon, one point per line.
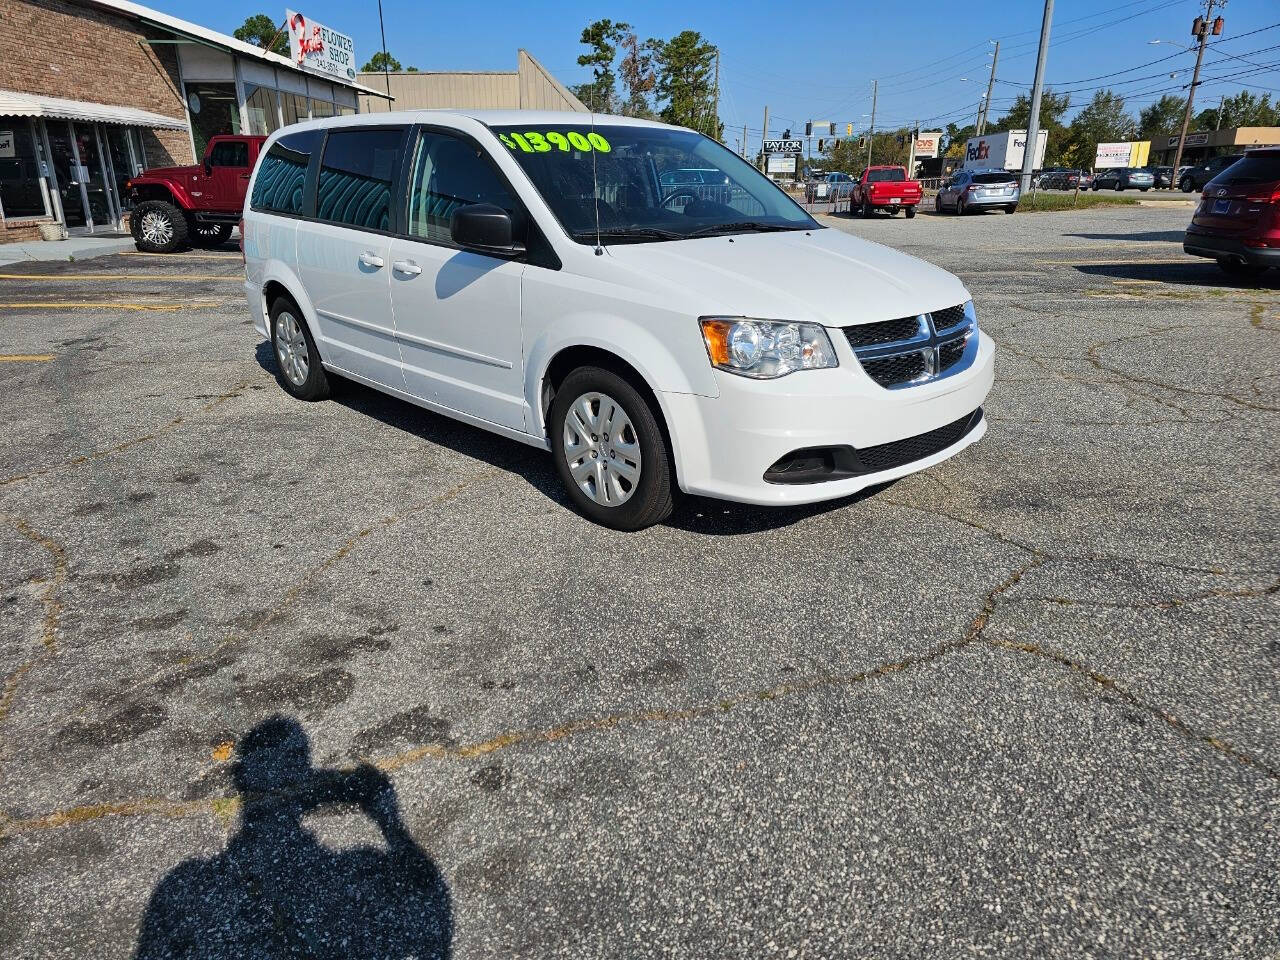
x: 406, y: 267
x: 372, y: 260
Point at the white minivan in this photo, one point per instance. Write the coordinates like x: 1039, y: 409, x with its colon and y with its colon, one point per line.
x: 552, y: 277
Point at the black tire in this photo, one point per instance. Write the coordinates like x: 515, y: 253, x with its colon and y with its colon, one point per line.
x: 165, y: 227
x: 315, y: 384
x: 209, y: 234
x: 1011, y: 209
x: 1096, y: 186
x: 959, y: 206
x: 1143, y: 189
x: 651, y: 498
x: 1186, y: 185
x: 1239, y: 269
x: 937, y: 203
x: 1119, y: 186
x: 867, y: 209
x: 910, y: 212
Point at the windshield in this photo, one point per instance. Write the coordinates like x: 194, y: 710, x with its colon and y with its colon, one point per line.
x: 886, y: 176
x: 654, y: 183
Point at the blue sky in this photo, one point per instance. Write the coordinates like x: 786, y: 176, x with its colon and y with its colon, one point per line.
x: 816, y: 60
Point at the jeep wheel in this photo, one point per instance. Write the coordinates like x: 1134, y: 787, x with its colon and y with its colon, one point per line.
x: 158, y: 227
x: 209, y: 234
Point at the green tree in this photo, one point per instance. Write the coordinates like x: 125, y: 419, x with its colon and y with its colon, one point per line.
x: 685, y: 83
x: 1246, y: 109
x: 1052, y: 108
x: 1162, y: 118
x: 602, y: 39
x: 957, y: 137
x: 382, y: 61
x: 1104, y: 120
x: 261, y: 31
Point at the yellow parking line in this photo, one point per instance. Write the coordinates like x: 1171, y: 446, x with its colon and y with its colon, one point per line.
x: 108, y: 304
x: 113, y: 276
x: 25, y: 357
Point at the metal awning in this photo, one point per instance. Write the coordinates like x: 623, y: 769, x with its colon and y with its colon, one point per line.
x: 13, y: 104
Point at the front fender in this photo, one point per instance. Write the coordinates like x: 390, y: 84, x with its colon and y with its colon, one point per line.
x: 178, y: 190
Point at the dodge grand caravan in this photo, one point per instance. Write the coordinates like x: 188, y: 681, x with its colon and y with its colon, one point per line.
x: 535, y: 275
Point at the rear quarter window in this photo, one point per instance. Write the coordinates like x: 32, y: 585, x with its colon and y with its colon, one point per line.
x: 1264, y: 169
x: 282, y: 173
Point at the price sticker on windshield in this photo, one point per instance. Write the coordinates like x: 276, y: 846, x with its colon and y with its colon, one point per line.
x: 532, y: 141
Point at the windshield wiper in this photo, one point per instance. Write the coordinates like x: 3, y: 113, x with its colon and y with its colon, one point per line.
x: 743, y: 226
x: 647, y: 233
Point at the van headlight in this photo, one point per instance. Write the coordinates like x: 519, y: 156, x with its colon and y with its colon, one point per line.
x: 766, y: 349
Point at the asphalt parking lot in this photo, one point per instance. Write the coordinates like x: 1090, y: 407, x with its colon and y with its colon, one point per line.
x: 297, y: 679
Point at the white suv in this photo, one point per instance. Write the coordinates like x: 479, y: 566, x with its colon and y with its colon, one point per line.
x: 533, y: 274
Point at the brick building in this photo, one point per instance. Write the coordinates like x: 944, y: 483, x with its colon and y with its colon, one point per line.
x: 94, y: 91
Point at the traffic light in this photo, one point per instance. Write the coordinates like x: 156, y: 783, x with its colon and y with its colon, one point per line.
x: 820, y: 142
x: 862, y: 141
x: 848, y: 129
x: 786, y: 134
x: 808, y: 128
x: 832, y: 131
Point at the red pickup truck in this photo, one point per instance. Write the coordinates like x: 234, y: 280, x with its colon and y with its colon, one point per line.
x: 177, y: 206
x: 885, y: 188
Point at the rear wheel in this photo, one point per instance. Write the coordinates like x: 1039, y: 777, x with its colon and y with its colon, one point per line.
x: 1011, y: 208
x: 158, y: 227
x: 301, y: 372
x: 937, y: 204
x: 1238, y: 268
x: 609, y: 450
x: 909, y: 211
x: 960, y: 207
x: 209, y: 234
x: 1185, y: 185
x: 867, y: 209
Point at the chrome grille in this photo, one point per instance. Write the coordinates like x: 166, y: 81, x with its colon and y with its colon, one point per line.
x: 909, y: 351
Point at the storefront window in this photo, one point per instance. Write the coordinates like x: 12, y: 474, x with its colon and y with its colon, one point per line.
x: 20, y: 191
x: 295, y: 107
x: 67, y: 170
x: 260, y: 104
x: 213, y: 110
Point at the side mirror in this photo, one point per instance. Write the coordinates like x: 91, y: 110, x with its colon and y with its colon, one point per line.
x: 485, y: 228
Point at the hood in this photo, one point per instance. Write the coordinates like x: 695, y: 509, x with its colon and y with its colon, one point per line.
x: 167, y: 173
x: 822, y: 276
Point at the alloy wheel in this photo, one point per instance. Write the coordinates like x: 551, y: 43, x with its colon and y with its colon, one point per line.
x: 156, y: 228
x: 291, y: 349
x: 602, y: 449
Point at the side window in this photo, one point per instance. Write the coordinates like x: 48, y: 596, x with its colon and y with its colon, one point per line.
x: 449, y: 173
x: 230, y: 153
x: 357, y: 172
x: 282, y: 173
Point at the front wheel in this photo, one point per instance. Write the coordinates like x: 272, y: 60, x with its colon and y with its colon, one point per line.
x: 609, y: 451
x: 158, y: 227
x: 937, y: 204
x: 1185, y: 185
x: 909, y: 211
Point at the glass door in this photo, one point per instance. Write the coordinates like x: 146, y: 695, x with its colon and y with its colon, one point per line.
x: 66, y: 167
x: 120, y: 162
x: 95, y: 175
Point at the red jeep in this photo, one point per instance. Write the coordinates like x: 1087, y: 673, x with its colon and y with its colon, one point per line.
x: 885, y: 188
x: 177, y: 206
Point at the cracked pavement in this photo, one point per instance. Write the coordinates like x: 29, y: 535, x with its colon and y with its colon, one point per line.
x: 1023, y: 703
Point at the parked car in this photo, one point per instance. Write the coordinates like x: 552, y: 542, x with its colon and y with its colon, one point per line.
x: 1124, y: 178
x: 1196, y: 176
x: 703, y: 184
x: 1063, y: 179
x: 1163, y: 176
x: 454, y: 260
x: 200, y: 204
x: 885, y: 188
x: 830, y: 186
x: 968, y: 190
x: 1237, y: 221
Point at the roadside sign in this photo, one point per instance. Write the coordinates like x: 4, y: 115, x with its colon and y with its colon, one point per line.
x: 1193, y: 140
x: 786, y: 164
x: 783, y: 146
x: 927, y: 144
x: 1133, y: 153
x: 317, y: 48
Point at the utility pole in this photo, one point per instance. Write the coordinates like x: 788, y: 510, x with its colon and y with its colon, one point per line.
x: 872, y: 135
x: 911, y: 157
x: 765, y: 136
x: 744, y: 141
x: 986, y: 104
x: 1222, y: 102
x: 386, y: 65
x: 1037, y: 88
x: 715, y: 113
x: 1201, y: 27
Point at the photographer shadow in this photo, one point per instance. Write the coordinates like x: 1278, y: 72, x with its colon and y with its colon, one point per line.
x: 277, y: 891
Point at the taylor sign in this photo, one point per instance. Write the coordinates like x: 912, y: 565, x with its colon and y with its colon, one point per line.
x: 783, y: 146
x: 315, y: 47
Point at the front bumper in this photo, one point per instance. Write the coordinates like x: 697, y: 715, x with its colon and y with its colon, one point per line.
x: 1215, y: 245
x: 725, y: 444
